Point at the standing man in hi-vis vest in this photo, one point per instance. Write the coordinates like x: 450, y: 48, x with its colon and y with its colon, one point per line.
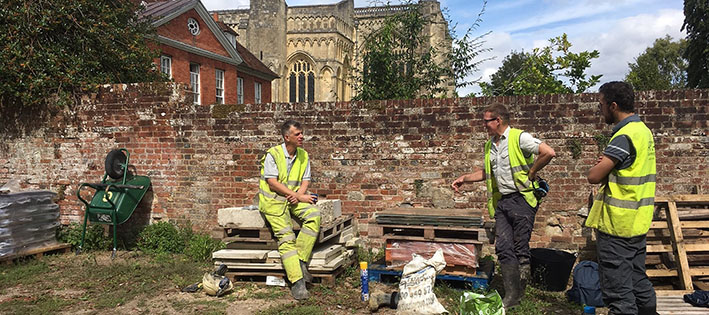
x: 622, y: 210
x: 510, y: 174
x: 285, y: 176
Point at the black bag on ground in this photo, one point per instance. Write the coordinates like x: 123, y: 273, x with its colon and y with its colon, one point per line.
x: 586, y: 289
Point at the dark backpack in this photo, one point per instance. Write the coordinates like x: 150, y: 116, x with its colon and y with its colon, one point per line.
x: 586, y: 289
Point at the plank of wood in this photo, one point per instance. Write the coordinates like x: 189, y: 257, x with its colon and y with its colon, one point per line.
x: 433, y: 212
x: 680, y: 251
x: 669, y: 248
x: 683, y: 224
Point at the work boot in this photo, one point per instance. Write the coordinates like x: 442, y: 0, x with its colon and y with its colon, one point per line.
x: 299, y: 291
x: 512, y: 282
x: 306, y: 274
x: 379, y: 299
x: 525, y: 274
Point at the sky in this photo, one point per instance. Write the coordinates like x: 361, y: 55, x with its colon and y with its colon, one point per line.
x: 619, y: 29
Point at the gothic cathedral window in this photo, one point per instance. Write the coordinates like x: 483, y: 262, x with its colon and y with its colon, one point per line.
x: 302, y: 82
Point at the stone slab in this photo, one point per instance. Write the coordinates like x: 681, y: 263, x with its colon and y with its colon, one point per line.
x: 240, y: 217
x: 330, y: 210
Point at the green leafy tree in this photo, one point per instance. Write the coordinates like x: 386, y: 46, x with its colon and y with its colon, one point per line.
x: 501, y: 81
x: 696, y: 22
x: 399, y: 61
x: 661, y: 67
x: 552, y: 69
x: 54, y: 48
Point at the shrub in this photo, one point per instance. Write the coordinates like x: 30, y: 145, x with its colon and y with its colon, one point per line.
x: 95, y: 238
x: 161, y: 237
x: 201, y: 246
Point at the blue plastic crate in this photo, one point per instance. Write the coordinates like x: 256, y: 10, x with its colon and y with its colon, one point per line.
x: 379, y: 273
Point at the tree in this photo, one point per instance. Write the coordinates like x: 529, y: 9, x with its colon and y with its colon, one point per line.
x: 501, y: 81
x: 661, y: 67
x: 54, y: 48
x: 399, y: 61
x: 696, y: 22
x: 553, y: 69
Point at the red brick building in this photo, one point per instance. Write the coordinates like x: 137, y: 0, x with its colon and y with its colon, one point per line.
x: 197, y: 51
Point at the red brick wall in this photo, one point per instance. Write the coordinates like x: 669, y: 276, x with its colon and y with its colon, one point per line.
x: 372, y: 155
x: 177, y: 29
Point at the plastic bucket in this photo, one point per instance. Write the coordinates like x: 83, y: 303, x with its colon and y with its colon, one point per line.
x: 551, y: 268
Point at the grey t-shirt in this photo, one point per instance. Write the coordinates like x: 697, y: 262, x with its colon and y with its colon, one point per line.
x: 270, y: 170
x: 500, y: 162
x: 621, y: 148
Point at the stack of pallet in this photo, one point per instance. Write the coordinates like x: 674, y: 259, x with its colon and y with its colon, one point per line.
x: 677, y: 253
x: 457, y: 232
x: 252, y: 253
x: 677, y: 250
x: 28, y: 223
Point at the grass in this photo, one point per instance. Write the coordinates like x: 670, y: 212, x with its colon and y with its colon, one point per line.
x: 145, y: 284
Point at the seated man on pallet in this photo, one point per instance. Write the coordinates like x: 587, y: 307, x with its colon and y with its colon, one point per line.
x: 285, y: 176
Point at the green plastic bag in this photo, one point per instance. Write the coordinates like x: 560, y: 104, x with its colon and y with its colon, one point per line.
x: 477, y: 304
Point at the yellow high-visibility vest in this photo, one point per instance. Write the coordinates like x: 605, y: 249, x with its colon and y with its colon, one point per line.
x: 624, y: 206
x: 269, y: 201
x: 519, y: 165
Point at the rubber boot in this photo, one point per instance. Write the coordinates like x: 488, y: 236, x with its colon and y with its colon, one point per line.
x: 379, y: 299
x: 306, y: 274
x: 299, y: 291
x: 525, y: 274
x: 512, y: 282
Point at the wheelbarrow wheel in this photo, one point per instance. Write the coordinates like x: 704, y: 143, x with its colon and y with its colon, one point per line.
x: 114, y: 163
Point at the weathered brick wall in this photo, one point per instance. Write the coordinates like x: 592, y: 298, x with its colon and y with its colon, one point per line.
x: 371, y: 155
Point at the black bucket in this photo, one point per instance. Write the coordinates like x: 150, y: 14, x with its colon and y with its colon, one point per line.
x: 551, y: 268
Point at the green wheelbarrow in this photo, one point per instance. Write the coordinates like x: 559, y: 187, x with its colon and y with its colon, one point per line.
x: 115, y: 197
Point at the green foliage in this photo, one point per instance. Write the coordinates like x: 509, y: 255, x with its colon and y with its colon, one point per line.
x: 602, y: 141
x: 501, y: 81
x: 51, y: 49
x: 399, y: 61
x: 553, y: 69
x: 292, y: 309
x: 661, y: 67
x: 96, y: 238
x: 201, y: 246
x: 575, y: 147
x: 696, y: 23
x: 161, y: 237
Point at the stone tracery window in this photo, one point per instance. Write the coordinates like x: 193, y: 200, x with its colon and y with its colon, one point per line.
x: 302, y: 82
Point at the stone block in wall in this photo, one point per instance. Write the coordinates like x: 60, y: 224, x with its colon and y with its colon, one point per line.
x: 330, y: 210
x: 241, y: 217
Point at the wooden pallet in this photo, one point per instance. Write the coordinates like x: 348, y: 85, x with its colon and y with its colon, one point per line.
x: 674, y: 304
x: 265, y: 235
x: 327, y: 278
x: 676, y: 243
x: 449, y: 234
x: 38, y: 252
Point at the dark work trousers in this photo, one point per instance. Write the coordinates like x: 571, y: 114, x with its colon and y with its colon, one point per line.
x: 621, y: 267
x: 514, y: 220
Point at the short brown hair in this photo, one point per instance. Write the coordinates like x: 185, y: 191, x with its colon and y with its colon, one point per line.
x: 498, y: 110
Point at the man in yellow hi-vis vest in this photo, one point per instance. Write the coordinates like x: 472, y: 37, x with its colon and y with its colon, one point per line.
x: 510, y: 174
x: 285, y: 176
x: 622, y: 210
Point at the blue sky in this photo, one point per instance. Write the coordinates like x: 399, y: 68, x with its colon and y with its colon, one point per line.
x: 619, y: 29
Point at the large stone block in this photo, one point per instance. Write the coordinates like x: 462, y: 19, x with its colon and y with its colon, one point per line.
x: 241, y: 217
x: 330, y: 210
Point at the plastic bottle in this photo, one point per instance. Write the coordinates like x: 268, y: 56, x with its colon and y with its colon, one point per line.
x: 364, y: 278
x: 588, y: 310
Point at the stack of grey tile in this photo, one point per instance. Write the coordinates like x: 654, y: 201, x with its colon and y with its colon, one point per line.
x: 28, y: 220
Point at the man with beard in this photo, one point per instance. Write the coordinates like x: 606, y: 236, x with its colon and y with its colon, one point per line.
x: 622, y: 209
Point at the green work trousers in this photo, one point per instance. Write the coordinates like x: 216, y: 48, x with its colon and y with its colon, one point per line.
x: 291, y: 248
